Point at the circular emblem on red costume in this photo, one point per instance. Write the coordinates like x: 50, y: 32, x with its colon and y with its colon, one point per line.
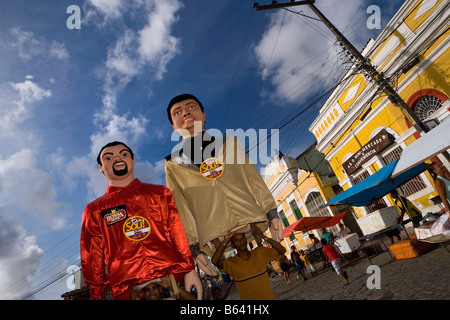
x: 211, y: 168
x: 136, y: 228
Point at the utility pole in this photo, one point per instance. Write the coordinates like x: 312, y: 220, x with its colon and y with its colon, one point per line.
x: 378, y: 78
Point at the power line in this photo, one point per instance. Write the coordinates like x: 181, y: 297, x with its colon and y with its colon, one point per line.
x: 45, y: 284
x: 23, y: 282
x: 364, y: 63
x: 284, y: 125
x: 237, y: 68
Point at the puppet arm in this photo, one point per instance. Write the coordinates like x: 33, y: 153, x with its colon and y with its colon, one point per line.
x: 182, y: 293
x: 276, y: 226
x: 261, y: 192
x: 175, y: 226
x: 191, y: 279
x: 176, y: 230
x: 93, y: 257
x: 189, y: 226
x: 266, y: 201
x: 202, y: 260
x: 187, y: 219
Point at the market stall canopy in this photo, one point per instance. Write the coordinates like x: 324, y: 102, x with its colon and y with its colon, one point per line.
x: 376, y: 186
x: 430, y: 144
x: 311, y: 223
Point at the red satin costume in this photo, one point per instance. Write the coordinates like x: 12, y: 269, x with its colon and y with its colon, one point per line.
x: 131, y: 235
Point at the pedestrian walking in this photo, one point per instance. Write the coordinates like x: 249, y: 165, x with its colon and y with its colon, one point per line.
x: 335, y: 256
x: 318, y: 247
x: 308, y: 264
x: 286, y: 268
x: 297, y: 260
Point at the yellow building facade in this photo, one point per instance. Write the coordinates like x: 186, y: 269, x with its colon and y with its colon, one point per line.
x: 299, y: 191
x: 413, y: 53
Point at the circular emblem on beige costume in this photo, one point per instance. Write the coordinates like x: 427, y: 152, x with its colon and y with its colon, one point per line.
x: 136, y: 228
x: 211, y: 168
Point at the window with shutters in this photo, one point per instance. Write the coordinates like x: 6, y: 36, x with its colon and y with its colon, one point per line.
x: 295, y: 209
x: 412, y: 186
x: 285, y: 223
x: 313, y: 203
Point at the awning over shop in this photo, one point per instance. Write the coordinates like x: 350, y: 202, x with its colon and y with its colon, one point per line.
x: 376, y: 186
x: 395, y: 174
x: 311, y: 223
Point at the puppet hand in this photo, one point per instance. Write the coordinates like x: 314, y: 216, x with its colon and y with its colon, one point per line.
x: 257, y: 233
x: 165, y: 282
x: 191, y: 279
x: 276, y: 229
x: 205, y: 265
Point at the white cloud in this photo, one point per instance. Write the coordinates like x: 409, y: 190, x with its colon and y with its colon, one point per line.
x: 27, y: 192
x: 19, y: 105
x: 28, y: 46
x: 20, y: 259
x: 121, y: 128
x: 121, y: 58
x: 147, y: 49
x: 110, y: 9
x: 156, y: 45
x: 36, y: 199
x: 141, y: 49
x: 30, y: 92
x: 59, y: 51
x: 26, y: 187
x: 85, y: 168
x: 18, y: 161
x: 299, y: 58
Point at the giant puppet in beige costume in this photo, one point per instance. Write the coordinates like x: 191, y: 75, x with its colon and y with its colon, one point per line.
x: 216, y: 187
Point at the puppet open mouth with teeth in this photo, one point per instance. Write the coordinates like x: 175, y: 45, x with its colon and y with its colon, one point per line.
x: 120, y: 168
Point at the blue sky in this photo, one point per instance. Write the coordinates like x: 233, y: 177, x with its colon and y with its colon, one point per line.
x: 64, y: 93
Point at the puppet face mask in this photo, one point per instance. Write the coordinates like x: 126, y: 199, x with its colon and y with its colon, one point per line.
x: 116, y: 162
x: 185, y: 115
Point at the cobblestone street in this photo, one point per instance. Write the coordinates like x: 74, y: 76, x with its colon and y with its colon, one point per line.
x: 423, y: 278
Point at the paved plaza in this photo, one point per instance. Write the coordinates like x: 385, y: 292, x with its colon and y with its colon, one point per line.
x: 422, y: 278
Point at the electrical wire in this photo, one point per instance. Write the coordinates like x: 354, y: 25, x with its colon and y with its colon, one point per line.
x: 237, y: 68
x: 41, y: 286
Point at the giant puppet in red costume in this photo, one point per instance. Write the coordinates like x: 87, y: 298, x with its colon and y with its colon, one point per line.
x: 133, y: 233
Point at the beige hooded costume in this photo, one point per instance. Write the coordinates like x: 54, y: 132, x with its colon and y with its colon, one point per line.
x: 210, y: 208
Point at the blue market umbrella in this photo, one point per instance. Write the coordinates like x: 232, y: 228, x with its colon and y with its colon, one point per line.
x: 376, y: 186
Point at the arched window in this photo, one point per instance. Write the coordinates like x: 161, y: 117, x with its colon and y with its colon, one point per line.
x: 426, y: 106
x: 426, y: 101
x: 313, y: 203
